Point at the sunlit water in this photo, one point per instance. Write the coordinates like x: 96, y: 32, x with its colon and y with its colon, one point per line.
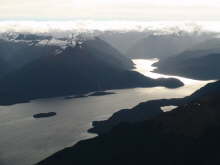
x: 25, y: 140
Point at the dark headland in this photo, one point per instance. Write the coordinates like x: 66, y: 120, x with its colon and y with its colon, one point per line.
x: 187, y: 135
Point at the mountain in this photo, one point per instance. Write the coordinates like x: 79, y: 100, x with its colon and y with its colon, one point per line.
x: 139, y: 113
x: 17, y: 53
x: 199, y: 62
x: 162, y: 45
x: 107, y: 54
x: 3, y: 66
x: 208, y: 90
x: 149, y: 109
x: 209, y: 44
x: 123, y: 40
x: 187, y: 135
x: 27, y: 48
x: 91, y: 65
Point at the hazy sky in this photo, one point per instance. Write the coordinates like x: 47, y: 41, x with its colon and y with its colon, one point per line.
x: 111, y: 9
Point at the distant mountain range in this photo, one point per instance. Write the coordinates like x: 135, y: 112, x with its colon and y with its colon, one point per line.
x: 193, y: 55
x: 199, y: 62
x: 187, y: 135
x: 163, y: 45
x: 55, y: 67
x: 123, y: 41
x: 153, y: 43
x: 34, y: 66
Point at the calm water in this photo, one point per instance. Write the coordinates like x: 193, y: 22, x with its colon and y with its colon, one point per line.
x: 25, y: 140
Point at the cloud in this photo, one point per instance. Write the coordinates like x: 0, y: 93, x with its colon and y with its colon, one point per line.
x: 111, y: 9
x: 91, y: 26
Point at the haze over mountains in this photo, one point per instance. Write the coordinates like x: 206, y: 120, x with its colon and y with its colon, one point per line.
x: 187, y: 135
x: 198, y: 62
x: 163, y: 45
x: 44, y: 67
x: 59, y: 62
x: 140, y: 78
x: 71, y: 64
x: 193, y: 55
x: 18, y: 53
x: 123, y: 41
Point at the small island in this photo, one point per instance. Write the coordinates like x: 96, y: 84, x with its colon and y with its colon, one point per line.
x: 101, y: 93
x: 75, y: 97
x: 44, y: 115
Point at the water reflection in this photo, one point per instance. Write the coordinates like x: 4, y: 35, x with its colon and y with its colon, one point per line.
x: 25, y: 140
x: 145, y: 67
x: 168, y: 108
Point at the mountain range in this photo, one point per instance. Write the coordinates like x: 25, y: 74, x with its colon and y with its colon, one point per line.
x: 199, y: 62
x: 163, y: 45
x: 49, y: 68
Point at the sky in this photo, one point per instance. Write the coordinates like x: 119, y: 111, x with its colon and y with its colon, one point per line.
x: 144, y: 10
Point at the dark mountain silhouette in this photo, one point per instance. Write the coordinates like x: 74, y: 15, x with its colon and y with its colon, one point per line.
x: 141, y: 112
x: 200, y: 62
x: 187, y: 135
x: 108, y: 54
x: 162, y: 46
x: 208, y: 90
x: 29, y: 47
x: 19, y: 53
x: 149, y: 109
x: 88, y: 66
x: 3, y: 66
